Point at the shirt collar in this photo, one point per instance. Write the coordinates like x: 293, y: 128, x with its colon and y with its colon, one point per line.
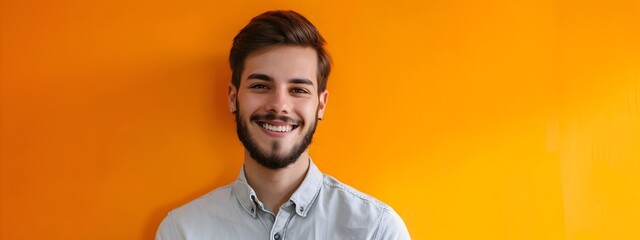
x: 306, y: 194
x: 245, y: 194
x: 303, y: 197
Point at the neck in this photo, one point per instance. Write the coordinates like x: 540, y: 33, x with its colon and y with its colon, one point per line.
x: 275, y: 187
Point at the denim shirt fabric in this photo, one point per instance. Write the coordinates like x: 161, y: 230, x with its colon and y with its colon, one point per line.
x: 321, y: 208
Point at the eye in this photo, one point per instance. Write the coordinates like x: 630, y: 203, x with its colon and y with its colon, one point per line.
x: 259, y: 86
x: 300, y: 90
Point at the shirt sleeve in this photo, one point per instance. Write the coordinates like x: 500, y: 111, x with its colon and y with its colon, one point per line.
x: 167, y: 229
x: 392, y: 227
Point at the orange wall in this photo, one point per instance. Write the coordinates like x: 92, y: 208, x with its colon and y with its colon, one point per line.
x: 480, y: 119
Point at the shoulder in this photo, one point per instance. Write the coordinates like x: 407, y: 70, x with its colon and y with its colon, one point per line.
x: 217, y: 198
x: 208, y: 209
x: 350, y: 194
x: 356, y: 206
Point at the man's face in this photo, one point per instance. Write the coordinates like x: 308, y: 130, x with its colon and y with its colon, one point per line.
x: 277, y: 104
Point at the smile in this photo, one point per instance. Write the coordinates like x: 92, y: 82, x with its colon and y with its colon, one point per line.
x: 277, y: 128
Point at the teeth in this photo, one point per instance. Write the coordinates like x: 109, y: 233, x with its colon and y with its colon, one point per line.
x: 273, y: 128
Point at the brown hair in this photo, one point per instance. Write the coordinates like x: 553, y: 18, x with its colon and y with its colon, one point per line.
x: 278, y: 28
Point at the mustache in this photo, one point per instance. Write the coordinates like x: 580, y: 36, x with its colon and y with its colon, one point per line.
x: 272, y: 116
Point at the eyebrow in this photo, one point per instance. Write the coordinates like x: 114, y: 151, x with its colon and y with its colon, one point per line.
x: 264, y: 77
x: 260, y: 76
x: 301, y: 81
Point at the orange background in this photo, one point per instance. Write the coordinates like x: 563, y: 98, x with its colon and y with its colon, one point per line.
x: 480, y: 119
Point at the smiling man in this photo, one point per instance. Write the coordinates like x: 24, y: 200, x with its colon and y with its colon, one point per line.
x: 278, y: 93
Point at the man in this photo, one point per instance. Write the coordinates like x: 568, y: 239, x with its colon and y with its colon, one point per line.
x: 278, y: 93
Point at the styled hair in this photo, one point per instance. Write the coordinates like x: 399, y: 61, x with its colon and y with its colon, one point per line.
x: 278, y: 28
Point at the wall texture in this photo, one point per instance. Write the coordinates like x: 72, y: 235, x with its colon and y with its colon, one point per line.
x: 479, y: 119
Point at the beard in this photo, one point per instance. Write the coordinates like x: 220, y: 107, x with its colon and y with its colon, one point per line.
x: 270, y: 158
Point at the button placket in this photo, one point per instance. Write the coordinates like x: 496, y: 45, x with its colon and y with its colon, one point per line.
x: 281, y: 221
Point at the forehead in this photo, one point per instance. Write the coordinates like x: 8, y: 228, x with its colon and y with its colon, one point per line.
x: 283, y: 63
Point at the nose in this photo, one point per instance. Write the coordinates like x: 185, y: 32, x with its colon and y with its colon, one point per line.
x: 278, y: 102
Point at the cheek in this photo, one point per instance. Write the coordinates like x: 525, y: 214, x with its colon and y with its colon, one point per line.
x: 309, y: 110
x: 248, y: 104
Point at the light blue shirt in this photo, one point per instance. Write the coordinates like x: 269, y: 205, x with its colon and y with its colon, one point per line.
x: 321, y: 208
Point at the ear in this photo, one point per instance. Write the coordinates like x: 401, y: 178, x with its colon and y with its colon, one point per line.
x: 322, y: 105
x: 232, y: 97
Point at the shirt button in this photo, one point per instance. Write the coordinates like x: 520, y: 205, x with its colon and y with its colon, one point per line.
x: 276, y: 236
x: 301, y: 209
x: 252, y: 210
